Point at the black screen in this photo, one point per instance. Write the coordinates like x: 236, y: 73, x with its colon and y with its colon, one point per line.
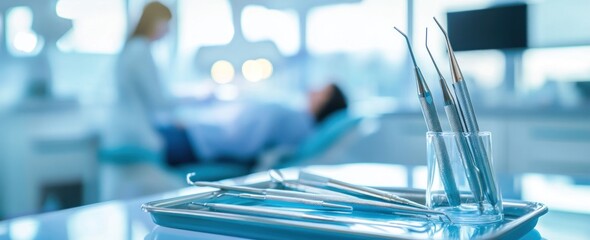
x: 492, y: 28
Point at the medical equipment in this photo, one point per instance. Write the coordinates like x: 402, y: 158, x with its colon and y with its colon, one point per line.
x: 307, y: 216
x: 471, y: 170
x: 312, y: 203
x: 469, y: 120
x: 279, y: 182
x: 520, y: 218
x: 433, y: 125
x: 356, y: 203
x: 308, y: 178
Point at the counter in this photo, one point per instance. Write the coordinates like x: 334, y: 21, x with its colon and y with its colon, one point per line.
x: 125, y: 220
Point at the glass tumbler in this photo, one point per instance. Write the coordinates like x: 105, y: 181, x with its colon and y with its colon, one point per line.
x: 461, y: 179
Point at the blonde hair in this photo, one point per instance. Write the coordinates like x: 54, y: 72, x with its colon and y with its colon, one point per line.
x: 152, y: 13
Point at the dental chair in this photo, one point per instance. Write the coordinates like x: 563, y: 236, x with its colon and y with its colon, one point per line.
x: 130, y: 171
x: 326, y: 135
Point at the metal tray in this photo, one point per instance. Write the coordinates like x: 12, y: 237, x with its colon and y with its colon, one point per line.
x: 520, y: 218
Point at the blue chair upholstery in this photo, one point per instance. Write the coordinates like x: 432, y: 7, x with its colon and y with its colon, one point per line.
x: 128, y: 155
x: 325, y: 135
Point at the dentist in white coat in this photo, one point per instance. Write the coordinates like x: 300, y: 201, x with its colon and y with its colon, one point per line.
x: 142, y: 105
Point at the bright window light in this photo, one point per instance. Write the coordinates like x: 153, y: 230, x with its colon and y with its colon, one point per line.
x: 420, y: 177
x: 487, y: 67
x: 423, y: 13
x: 22, y: 41
x: 540, y: 65
x: 459, y: 5
x: 222, y: 72
x: 281, y: 27
x: 551, y: 189
x: 25, y: 41
x: 67, y: 9
x: 358, y: 28
x: 200, y: 23
x: 558, y: 23
x: 98, y: 26
x: 20, y: 18
x: 203, y: 23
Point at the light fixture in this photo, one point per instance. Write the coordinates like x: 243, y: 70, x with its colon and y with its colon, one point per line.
x: 257, y: 70
x: 222, y: 72
x: 25, y: 42
x: 265, y: 67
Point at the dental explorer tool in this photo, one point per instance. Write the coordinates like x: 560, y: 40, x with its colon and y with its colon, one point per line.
x: 357, y: 203
x: 306, y: 177
x: 471, y: 170
x: 277, y: 213
x: 313, y: 203
x: 433, y: 125
x: 277, y: 177
x: 470, y: 121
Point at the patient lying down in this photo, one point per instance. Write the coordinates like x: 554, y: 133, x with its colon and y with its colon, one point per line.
x: 255, y: 128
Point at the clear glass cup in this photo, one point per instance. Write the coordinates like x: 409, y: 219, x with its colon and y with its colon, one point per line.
x: 461, y: 179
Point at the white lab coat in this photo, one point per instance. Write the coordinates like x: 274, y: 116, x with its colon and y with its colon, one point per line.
x: 141, y: 100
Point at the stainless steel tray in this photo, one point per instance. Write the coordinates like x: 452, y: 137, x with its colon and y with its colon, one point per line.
x: 520, y: 218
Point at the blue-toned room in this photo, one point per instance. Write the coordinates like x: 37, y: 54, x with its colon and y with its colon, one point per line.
x: 294, y: 119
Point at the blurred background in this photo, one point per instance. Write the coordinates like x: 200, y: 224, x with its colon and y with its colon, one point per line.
x: 526, y: 63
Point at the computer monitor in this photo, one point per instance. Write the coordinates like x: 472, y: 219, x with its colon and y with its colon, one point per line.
x: 502, y: 27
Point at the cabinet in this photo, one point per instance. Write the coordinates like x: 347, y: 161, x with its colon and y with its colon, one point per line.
x: 535, y: 143
x: 42, y: 155
x: 552, y: 145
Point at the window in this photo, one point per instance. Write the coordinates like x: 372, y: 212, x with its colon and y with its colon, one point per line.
x: 358, y: 28
x: 486, y: 68
x: 559, y: 23
x: 550, y: 73
x: 203, y: 23
x: 355, y: 44
x: 550, y: 189
x: 281, y: 27
x: 21, y: 39
x: 98, y: 26
x: 200, y: 23
x: 541, y: 65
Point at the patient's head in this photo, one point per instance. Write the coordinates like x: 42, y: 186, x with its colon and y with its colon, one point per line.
x: 154, y: 21
x: 326, y: 101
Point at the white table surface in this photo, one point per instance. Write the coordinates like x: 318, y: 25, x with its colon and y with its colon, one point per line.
x: 125, y: 219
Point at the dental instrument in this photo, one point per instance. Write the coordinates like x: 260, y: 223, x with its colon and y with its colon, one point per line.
x: 277, y: 213
x: 433, y: 125
x: 471, y: 170
x: 305, y: 177
x: 313, y: 203
x: 357, y: 203
x: 481, y: 157
x: 277, y: 177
